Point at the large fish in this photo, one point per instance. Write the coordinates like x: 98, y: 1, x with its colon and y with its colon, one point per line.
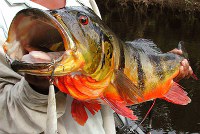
x: 90, y: 63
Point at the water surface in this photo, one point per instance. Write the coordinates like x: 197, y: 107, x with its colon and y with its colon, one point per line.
x: 166, y: 28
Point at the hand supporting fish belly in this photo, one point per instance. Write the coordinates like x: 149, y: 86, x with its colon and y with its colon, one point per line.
x: 90, y: 63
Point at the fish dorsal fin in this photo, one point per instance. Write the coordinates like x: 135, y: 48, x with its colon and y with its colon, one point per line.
x: 145, y: 44
x: 126, y: 88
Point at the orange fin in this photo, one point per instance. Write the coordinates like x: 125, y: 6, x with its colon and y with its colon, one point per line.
x: 177, y: 95
x: 93, y: 107
x: 73, y: 91
x: 80, y: 81
x: 78, y: 112
x: 59, y: 82
x: 120, y: 108
x: 126, y: 88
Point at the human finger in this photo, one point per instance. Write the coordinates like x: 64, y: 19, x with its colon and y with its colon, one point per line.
x: 176, y: 51
x: 180, y: 75
x: 190, y: 73
x: 185, y: 65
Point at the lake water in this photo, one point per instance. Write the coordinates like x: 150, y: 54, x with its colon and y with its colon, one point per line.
x: 166, y: 28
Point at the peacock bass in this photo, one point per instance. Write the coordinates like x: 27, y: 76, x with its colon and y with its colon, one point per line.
x: 90, y: 63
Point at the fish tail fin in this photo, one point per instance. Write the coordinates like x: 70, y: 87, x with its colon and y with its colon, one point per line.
x: 120, y: 108
x: 177, y: 95
x: 79, y: 113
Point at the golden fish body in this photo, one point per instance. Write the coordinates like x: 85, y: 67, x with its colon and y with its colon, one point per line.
x: 89, y: 62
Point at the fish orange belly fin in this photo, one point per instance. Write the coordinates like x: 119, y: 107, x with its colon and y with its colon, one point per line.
x: 177, y: 95
x: 79, y: 113
x: 126, y: 88
x: 120, y: 108
x: 93, y: 107
x: 113, y: 99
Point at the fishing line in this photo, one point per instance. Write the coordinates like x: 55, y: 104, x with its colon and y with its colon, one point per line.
x: 154, y: 101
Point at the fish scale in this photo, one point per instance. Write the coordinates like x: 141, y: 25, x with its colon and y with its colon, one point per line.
x: 96, y: 67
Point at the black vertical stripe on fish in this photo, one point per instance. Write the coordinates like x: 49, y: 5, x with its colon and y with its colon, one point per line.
x: 103, y: 61
x: 106, y: 41
x: 121, y: 57
x: 156, y: 62
x: 141, y: 74
x: 101, y: 42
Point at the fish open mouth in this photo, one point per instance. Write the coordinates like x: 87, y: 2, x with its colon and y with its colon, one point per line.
x: 35, y: 39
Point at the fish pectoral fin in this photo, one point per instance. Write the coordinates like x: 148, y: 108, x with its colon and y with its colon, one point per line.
x: 112, y: 98
x: 126, y: 88
x: 177, y: 95
x: 92, y: 89
x: 60, y: 84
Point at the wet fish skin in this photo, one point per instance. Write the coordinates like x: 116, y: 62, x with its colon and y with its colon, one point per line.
x: 97, y: 67
x: 131, y: 72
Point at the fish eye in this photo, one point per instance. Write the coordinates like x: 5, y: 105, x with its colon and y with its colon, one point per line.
x: 83, y: 19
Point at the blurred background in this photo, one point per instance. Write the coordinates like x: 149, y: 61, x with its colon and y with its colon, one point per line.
x: 166, y: 23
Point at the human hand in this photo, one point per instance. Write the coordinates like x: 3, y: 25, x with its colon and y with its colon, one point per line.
x: 39, y: 83
x: 185, y: 70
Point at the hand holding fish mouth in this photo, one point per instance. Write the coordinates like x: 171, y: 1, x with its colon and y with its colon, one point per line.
x: 185, y: 68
